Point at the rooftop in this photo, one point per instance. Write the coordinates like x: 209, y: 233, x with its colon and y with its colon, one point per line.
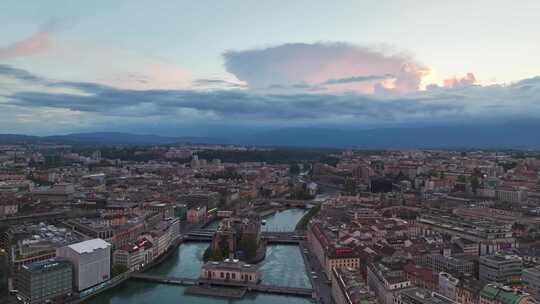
x: 505, y: 295
x: 89, y: 246
x: 231, y: 264
x: 424, y: 296
x: 47, y: 265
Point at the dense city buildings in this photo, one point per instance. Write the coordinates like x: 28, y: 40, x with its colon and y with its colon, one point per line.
x: 380, y: 227
x: 490, y: 236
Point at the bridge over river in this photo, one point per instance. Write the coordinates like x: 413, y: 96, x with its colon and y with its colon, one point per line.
x: 205, y: 235
x: 266, y: 288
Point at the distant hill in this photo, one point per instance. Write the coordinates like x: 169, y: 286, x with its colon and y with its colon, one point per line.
x: 111, y: 138
x: 16, y: 138
x: 511, y: 135
x: 521, y: 135
x: 103, y: 138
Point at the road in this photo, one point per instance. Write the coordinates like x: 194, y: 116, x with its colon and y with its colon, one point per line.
x: 321, y: 284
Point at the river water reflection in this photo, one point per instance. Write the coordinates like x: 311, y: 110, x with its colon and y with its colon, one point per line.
x: 283, y: 221
x: 283, y: 265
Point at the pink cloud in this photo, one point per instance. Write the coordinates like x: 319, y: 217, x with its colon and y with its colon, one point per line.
x: 466, y: 80
x: 36, y: 43
x: 152, y: 75
x: 315, y: 64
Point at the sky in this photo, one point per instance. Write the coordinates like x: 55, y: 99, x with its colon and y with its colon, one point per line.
x: 205, y: 67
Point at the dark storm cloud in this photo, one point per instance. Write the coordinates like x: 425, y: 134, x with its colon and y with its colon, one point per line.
x: 453, y: 104
x: 107, y: 100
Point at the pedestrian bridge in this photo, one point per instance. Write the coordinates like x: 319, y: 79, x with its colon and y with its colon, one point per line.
x: 266, y: 288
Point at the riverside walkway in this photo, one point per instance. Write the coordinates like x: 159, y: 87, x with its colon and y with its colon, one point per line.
x: 292, y: 291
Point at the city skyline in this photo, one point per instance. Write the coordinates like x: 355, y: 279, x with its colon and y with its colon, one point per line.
x: 68, y: 67
x: 304, y: 152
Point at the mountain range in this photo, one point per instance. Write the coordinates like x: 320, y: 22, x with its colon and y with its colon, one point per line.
x: 519, y: 135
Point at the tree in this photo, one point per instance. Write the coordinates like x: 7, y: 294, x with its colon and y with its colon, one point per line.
x: 304, y: 221
x: 294, y: 169
x: 475, y: 183
x: 118, y: 269
x: 212, y: 255
x: 508, y: 165
x: 477, y: 172
x: 349, y: 186
x: 330, y: 160
x: 249, y: 246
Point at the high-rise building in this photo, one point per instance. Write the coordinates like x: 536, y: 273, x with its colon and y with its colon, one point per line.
x: 504, y: 269
x: 91, y: 262
x: 45, y: 281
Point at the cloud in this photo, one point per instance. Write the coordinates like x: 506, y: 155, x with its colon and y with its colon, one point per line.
x: 96, y: 62
x: 224, y: 104
x: 466, y: 80
x: 19, y: 74
x: 290, y: 64
x: 147, y: 73
x: 457, y: 104
x: 228, y: 104
x: 358, y: 79
x: 216, y: 83
x: 36, y: 43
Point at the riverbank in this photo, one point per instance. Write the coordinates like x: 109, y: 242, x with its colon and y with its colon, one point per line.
x: 260, y: 255
x: 164, y: 256
x: 268, y: 212
x: 283, y: 265
x: 303, y: 222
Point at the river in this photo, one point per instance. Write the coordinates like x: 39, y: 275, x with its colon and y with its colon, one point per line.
x: 283, y: 221
x: 283, y: 265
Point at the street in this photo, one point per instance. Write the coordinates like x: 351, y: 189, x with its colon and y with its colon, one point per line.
x: 321, y: 284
